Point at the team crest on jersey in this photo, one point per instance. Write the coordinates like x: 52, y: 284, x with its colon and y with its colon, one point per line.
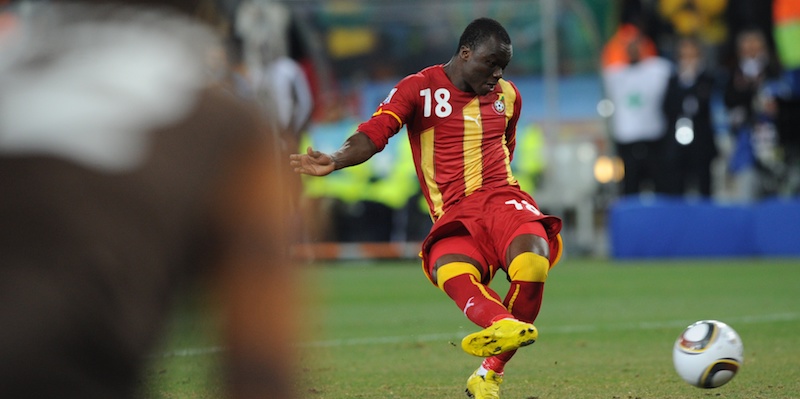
x: 499, y: 105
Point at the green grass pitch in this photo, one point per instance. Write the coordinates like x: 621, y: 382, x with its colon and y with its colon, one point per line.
x: 606, y: 330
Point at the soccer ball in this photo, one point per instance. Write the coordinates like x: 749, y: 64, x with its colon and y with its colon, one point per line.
x: 708, y: 354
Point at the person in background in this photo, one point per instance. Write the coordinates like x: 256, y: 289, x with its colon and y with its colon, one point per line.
x: 461, y: 119
x: 279, y: 82
x: 751, y: 113
x: 636, y: 85
x: 786, y: 16
x: 690, y: 145
x: 127, y: 176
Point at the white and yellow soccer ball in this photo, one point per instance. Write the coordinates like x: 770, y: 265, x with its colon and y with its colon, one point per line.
x: 708, y: 354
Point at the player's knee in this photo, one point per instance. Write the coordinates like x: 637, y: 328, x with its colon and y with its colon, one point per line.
x: 453, y: 269
x: 529, y: 267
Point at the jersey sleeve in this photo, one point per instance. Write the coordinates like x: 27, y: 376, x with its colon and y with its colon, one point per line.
x: 393, y: 113
x: 511, y: 128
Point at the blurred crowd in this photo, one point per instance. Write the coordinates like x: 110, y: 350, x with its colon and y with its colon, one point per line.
x: 706, y: 97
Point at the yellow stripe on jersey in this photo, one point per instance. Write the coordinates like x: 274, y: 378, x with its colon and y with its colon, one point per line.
x: 509, y: 98
x: 473, y: 146
x: 509, y: 175
x: 428, y: 171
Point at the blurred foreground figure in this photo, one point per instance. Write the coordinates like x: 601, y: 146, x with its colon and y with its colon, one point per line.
x: 126, y: 174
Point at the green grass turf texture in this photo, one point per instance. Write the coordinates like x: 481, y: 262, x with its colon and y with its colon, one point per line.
x: 606, y: 330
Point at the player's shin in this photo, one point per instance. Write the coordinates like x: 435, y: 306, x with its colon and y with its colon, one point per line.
x: 461, y: 282
x: 528, y: 273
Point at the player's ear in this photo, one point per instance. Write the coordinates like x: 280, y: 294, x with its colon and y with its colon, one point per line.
x: 464, y: 52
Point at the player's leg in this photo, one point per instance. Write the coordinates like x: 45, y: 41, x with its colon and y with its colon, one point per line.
x: 527, y: 256
x: 502, y: 331
x: 528, y: 260
x: 484, y: 384
x: 460, y: 270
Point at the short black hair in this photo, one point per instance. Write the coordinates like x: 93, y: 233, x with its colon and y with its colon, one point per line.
x: 480, y: 30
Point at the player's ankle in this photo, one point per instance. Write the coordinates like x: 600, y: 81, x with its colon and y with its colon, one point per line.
x: 494, y: 364
x: 502, y: 317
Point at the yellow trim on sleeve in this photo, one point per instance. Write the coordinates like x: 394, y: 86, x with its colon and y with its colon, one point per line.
x: 381, y: 111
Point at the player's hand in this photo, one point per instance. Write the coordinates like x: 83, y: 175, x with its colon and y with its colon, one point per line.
x: 313, y: 163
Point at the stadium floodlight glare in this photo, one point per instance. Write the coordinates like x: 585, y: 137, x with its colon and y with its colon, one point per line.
x: 684, y: 131
x: 605, y: 108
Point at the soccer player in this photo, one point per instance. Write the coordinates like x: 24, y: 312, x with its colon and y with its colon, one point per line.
x: 461, y: 119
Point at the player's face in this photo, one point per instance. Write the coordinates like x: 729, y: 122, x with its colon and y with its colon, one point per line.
x: 485, y: 64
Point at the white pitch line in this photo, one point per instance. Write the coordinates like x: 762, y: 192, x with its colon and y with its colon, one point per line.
x: 554, y: 330
x: 457, y: 335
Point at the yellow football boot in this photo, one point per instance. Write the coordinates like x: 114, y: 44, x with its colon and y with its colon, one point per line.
x: 484, y: 387
x: 502, y: 336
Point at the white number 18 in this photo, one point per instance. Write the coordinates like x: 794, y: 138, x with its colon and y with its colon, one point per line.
x: 442, y: 97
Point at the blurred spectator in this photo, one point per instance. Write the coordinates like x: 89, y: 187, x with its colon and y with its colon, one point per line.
x: 752, y: 110
x: 238, y: 78
x: 280, y: 83
x: 690, y: 145
x: 636, y: 84
x: 742, y: 16
x: 703, y: 19
x: 787, y: 37
x: 641, y: 14
x: 127, y: 175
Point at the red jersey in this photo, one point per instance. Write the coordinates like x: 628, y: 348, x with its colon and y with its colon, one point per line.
x: 461, y: 142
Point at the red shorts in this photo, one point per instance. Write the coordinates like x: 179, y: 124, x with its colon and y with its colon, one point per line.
x: 485, y: 222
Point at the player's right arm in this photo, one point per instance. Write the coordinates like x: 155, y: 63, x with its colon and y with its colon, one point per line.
x: 371, y: 136
x: 355, y: 150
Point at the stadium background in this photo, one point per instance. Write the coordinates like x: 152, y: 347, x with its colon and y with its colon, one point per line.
x: 377, y: 329
x: 355, y: 50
